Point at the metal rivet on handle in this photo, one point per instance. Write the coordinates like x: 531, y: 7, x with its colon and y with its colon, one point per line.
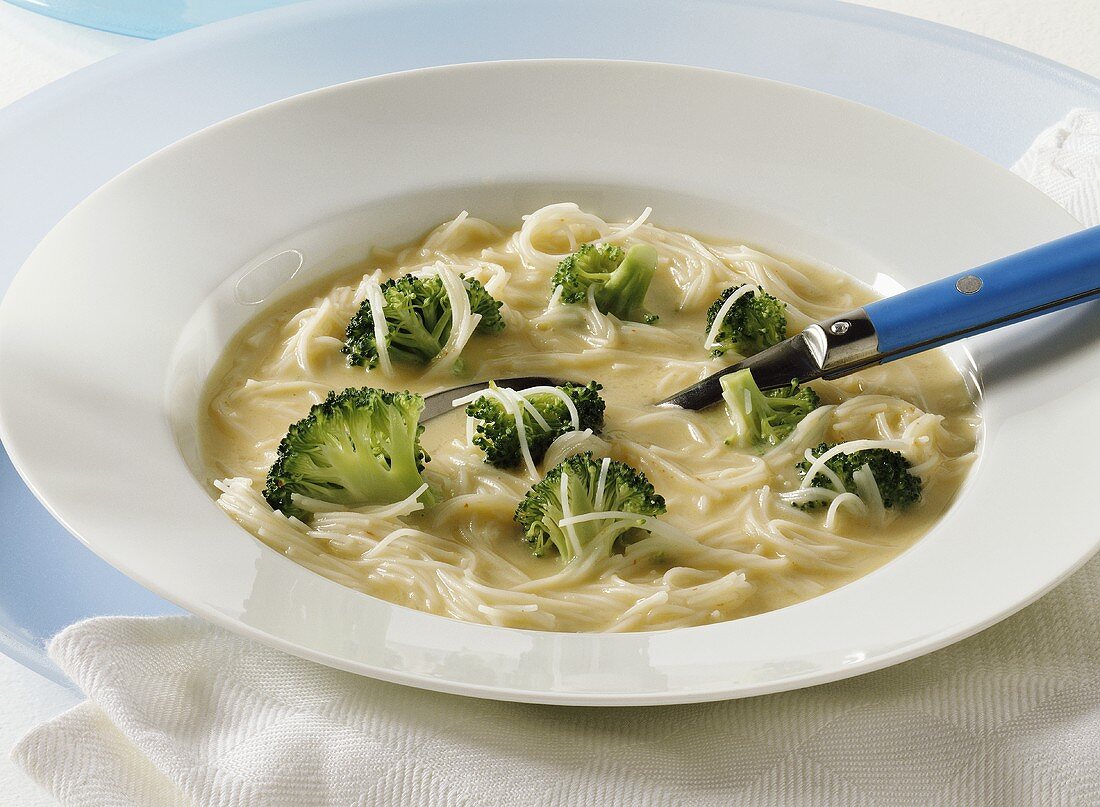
x: 840, y: 327
x: 969, y: 284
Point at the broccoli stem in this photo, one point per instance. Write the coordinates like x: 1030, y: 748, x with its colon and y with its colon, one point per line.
x: 623, y: 295
x: 410, y: 340
x: 763, y: 418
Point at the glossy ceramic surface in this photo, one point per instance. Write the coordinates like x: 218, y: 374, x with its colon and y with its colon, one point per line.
x: 156, y: 252
x: 65, y: 140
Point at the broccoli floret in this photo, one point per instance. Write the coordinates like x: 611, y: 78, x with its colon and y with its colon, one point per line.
x: 896, y: 485
x: 483, y: 303
x: 624, y: 490
x: 496, y: 432
x: 764, y: 418
x: 359, y: 447
x: 755, y: 321
x: 418, y: 320
x: 620, y: 280
x: 589, y: 264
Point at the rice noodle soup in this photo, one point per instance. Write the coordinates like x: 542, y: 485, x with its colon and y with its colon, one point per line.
x: 743, y: 527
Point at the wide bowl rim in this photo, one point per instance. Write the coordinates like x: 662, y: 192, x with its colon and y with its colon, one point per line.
x: 22, y: 455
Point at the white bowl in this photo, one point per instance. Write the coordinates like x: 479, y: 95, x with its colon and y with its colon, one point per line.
x: 111, y: 326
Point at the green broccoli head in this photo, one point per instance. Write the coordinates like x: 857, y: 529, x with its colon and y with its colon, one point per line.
x: 418, y: 320
x: 753, y: 322
x: 620, y: 280
x: 896, y: 485
x: 483, y: 303
x: 496, y: 433
x: 589, y: 264
x: 359, y: 447
x: 764, y: 418
x: 624, y: 490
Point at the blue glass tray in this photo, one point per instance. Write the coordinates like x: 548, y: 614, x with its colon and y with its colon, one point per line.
x: 148, y: 19
x: 67, y: 139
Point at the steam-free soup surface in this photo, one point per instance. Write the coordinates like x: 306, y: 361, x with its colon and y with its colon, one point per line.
x: 744, y: 550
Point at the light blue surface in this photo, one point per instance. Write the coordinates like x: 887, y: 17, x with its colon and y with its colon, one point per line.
x: 930, y: 314
x: 148, y: 19
x: 67, y: 139
x: 48, y: 580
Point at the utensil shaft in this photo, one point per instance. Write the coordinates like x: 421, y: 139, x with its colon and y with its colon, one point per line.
x: 1046, y: 278
x: 1040, y: 280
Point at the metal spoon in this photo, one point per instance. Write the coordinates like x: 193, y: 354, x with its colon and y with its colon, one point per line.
x: 1047, y: 278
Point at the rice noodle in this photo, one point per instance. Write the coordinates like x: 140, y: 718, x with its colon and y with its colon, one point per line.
x: 734, y: 541
x: 619, y: 234
x: 711, y: 342
x: 463, y: 322
x: 514, y: 404
x: 381, y: 328
x: 817, y: 464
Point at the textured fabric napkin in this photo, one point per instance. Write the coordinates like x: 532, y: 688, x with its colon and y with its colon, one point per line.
x: 181, y: 713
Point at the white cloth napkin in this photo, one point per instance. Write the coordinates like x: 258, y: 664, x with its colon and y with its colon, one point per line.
x: 181, y: 713
x: 1064, y: 162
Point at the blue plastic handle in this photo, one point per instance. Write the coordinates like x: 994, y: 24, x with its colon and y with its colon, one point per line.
x: 1043, y: 279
